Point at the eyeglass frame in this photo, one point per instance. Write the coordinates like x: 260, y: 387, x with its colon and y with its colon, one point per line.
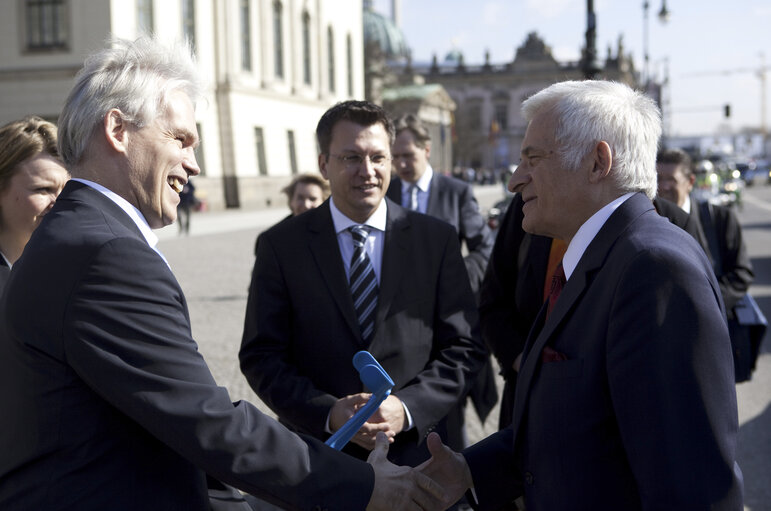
x: 354, y: 160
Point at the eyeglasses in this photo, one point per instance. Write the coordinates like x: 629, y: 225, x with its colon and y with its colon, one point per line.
x: 354, y: 161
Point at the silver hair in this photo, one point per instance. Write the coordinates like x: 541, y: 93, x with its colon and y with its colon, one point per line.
x: 132, y: 76
x: 588, y: 112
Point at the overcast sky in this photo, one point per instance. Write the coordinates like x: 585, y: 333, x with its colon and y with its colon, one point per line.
x: 725, y: 38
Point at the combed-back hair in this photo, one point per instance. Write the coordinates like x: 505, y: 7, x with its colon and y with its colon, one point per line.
x: 415, y: 126
x: 362, y: 113
x: 591, y: 111
x: 135, y: 77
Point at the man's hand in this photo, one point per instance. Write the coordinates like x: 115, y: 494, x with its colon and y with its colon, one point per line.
x: 401, y: 488
x: 345, y: 408
x: 391, y: 412
x: 447, y: 468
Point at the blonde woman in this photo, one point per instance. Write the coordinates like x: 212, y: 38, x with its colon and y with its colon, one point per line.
x: 31, y: 177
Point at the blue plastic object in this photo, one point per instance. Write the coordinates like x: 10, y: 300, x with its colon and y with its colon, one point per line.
x: 374, y: 377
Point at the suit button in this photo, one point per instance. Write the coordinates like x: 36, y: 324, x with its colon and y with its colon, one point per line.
x: 528, y: 478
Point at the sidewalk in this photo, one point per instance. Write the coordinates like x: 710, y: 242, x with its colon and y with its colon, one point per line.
x: 228, y: 220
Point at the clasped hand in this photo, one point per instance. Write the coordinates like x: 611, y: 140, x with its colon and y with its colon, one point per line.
x: 435, y: 485
x: 388, y: 418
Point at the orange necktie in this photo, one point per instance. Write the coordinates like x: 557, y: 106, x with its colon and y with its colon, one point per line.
x: 558, y: 248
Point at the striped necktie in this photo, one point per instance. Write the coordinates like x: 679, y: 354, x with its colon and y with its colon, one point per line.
x: 363, y: 283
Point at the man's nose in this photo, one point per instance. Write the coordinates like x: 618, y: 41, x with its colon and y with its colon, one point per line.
x: 518, y: 179
x: 190, y: 164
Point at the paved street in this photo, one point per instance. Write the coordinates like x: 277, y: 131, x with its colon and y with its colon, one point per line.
x: 214, y: 264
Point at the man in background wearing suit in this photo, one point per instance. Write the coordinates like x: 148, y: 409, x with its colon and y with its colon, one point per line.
x: 734, y: 269
x: 360, y: 273
x: 109, y: 404
x: 419, y: 188
x: 625, y: 398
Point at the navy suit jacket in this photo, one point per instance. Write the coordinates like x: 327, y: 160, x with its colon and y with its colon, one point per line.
x: 113, y: 406
x: 301, y: 330
x: 642, y: 414
x: 453, y: 201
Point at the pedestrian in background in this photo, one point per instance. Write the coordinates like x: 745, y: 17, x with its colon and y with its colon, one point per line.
x: 187, y: 203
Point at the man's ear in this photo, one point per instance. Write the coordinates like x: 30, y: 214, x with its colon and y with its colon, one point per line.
x: 428, y: 150
x: 603, y: 159
x: 116, y: 130
x: 323, y: 160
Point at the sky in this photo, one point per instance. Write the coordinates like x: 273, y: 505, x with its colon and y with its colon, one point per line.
x: 712, y: 50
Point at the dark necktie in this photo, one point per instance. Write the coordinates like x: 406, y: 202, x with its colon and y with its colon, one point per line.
x: 363, y: 283
x: 557, y: 283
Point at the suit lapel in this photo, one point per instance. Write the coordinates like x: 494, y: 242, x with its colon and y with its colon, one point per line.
x: 326, y: 253
x: 435, y: 191
x: 396, y: 250
x: 589, y: 264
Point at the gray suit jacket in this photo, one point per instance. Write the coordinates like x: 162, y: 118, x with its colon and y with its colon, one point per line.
x: 452, y: 200
x: 113, y: 406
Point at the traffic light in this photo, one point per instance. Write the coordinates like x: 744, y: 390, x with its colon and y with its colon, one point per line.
x: 727, y: 111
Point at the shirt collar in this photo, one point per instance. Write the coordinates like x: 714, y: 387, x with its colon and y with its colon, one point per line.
x: 376, y: 220
x: 423, y: 183
x: 587, y: 232
x: 687, y: 204
x: 129, y: 208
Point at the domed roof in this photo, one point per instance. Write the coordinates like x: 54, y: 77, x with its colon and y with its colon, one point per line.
x: 454, y: 56
x: 380, y: 29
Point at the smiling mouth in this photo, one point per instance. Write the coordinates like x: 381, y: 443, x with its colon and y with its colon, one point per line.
x: 175, y: 183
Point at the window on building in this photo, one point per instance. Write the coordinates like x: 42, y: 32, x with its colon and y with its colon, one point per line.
x: 502, y: 116
x: 246, y: 36
x: 199, y: 151
x: 331, y: 58
x: 306, y: 48
x: 188, y: 21
x: 349, y: 63
x: 145, y: 16
x: 292, y: 151
x: 278, y: 39
x: 259, y: 143
x: 46, y: 22
x: 475, y: 116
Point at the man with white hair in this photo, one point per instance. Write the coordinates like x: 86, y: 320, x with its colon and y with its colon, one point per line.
x: 108, y: 403
x: 625, y: 397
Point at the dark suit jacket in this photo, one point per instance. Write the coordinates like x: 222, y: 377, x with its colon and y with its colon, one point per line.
x: 453, y: 201
x: 642, y: 414
x: 733, y: 267
x: 301, y: 330
x: 113, y: 406
x: 512, y: 291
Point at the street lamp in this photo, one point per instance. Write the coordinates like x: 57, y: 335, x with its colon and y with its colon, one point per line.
x: 663, y: 18
x: 590, y: 66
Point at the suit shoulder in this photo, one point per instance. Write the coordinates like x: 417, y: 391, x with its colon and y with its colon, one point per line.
x: 454, y: 184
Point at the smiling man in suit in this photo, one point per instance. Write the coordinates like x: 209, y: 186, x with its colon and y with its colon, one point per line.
x: 110, y: 404
x: 625, y: 397
x: 360, y: 272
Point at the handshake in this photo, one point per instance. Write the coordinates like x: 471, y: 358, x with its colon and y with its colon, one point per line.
x: 434, y: 485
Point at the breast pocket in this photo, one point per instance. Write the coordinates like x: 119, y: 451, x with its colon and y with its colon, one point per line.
x: 562, y: 370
